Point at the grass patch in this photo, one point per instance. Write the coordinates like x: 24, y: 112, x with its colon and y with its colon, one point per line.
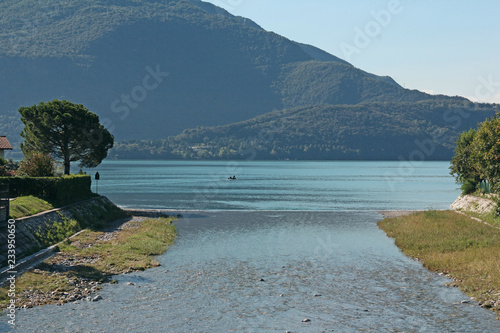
x: 94, y: 256
x: 454, y: 244
x: 27, y: 206
x: 490, y: 218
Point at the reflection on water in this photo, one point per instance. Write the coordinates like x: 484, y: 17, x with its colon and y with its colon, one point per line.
x: 291, y: 185
x: 266, y: 272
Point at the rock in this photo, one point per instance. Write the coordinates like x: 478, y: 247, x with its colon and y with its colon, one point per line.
x: 488, y: 304
x: 307, y: 320
x: 130, y: 284
x: 97, y: 298
x: 465, y: 302
x: 262, y: 280
x: 71, y: 299
x: 317, y: 295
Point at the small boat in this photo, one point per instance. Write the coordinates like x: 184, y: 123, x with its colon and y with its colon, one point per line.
x: 232, y: 178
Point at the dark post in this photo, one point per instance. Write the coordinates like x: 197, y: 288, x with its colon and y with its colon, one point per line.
x: 97, y: 176
x: 4, y: 202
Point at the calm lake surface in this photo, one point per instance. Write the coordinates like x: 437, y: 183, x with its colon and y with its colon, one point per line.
x: 284, y: 242
x: 277, y: 185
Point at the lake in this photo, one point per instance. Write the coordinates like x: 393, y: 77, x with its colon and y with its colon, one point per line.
x: 283, y: 242
x: 330, y: 186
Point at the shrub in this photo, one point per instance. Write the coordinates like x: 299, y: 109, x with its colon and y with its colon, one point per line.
x: 37, y: 165
x: 61, y: 190
x: 8, y: 167
x: 468, y: 187
x: 57, y: 232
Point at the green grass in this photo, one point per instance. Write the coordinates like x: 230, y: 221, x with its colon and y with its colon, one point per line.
x: 490, y: 218
x: 27, y: 206
x: 454, y: 244
x: 131, y: 248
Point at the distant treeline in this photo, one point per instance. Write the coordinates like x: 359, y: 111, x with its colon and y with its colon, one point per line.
x: 365, y: 131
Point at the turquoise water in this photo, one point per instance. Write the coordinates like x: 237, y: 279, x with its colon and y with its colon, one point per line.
x: 284, y: 242
x: 277, y: 185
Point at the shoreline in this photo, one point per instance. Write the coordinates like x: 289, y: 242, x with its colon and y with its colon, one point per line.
x: 76, y: 273
x: 452, y: 244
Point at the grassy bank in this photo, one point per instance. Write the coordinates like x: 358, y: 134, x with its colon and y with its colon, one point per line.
x: 27, y: 206
x: 454, y: 244
x: 90, y: 259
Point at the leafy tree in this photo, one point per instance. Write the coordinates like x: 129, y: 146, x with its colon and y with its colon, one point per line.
x: 37, y: 165
x: 66, y: 130
x: 464, y: 163
x: 486, y: 147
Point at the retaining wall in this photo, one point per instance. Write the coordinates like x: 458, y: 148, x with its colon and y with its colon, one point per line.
x: 27, y: 227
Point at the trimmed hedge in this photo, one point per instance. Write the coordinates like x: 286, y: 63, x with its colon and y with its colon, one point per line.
x: 62, y: 190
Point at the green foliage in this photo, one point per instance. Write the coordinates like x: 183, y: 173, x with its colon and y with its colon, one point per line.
x: 8, y: 167
x: 327, y: 132
x: 468, y: 187
x: 477, y: 155
x: 27, y: 206
x: 57, y: 232
x: 251, y: 72
x: 463, y: 163
x: 448, y: 242
x: 37, y: 165
x: 69, y: 131
x: 61, y: 190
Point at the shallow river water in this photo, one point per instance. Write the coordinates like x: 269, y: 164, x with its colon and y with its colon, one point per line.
x: 267, y: 271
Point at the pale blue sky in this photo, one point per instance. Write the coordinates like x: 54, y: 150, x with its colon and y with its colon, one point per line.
x: 440, y: 46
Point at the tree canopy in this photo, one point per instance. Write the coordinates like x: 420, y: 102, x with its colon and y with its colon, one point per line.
x: 477, y: 155
x: 67, y: 131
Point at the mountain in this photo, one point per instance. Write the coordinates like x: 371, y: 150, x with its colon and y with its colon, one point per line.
x: 418, y: 131
x: 154, y: 68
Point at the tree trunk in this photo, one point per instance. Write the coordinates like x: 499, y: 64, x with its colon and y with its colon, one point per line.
x: 67, y: 165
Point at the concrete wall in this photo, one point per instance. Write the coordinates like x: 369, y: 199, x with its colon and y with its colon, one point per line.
x: 27, y: 227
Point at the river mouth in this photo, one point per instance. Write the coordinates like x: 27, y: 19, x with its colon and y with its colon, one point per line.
x: 268, y: 271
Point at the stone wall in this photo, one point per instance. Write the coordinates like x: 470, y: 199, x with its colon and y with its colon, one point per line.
x: 27, y: 227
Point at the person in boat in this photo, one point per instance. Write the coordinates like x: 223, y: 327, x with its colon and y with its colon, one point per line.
x: 233, y: 177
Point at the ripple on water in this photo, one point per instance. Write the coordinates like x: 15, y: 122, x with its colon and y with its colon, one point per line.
x: 265, y: 272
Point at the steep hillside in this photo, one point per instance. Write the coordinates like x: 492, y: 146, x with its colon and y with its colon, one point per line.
x: 369, y: 131
x: 153, y: 68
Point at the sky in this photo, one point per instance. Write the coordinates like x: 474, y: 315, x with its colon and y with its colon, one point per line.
x: 449, y: 47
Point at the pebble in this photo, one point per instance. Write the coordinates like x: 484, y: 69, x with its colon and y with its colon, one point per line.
x: 97, y: 298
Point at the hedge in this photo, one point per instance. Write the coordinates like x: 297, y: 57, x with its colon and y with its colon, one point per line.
x: 63, y: 190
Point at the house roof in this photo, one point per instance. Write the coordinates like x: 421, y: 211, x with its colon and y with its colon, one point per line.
x: 4, y: 143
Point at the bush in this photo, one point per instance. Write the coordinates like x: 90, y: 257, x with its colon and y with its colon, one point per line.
x: 8, y: 167
x: 468, y: 187
x: 60, y: 190
x: 57, y: 232
x: 37, y: 165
